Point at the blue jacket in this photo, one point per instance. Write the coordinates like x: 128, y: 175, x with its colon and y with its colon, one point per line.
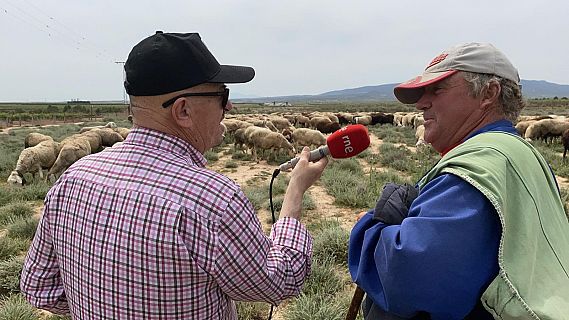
x: 442, y: 256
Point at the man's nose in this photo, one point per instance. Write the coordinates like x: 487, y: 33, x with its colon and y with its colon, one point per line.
x: 228, y: 106
x: 423, y: 103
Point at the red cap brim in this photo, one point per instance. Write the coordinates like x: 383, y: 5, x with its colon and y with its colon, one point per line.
x: 411, y: 91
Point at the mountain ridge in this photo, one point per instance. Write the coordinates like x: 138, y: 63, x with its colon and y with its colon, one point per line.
x: 531, y: 89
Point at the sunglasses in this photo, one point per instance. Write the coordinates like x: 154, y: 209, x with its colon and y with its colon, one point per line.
x: 224, y: 94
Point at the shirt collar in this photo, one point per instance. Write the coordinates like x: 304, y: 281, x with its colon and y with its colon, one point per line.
x: 154, y: 139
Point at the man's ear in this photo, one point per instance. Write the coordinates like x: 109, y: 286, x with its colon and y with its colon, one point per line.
x: 491, y: 95
x: 180, y: 112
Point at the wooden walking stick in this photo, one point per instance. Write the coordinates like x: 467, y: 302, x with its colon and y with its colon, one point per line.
x: 355, y: 304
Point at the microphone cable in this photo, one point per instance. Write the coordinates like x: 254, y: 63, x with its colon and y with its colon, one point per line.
x: 275, y: 174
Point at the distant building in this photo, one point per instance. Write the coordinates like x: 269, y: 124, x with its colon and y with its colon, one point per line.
x: 277, y: 104
x: 78, y: 102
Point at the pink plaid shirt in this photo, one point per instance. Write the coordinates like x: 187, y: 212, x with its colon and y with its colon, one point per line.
x: 144, y: 231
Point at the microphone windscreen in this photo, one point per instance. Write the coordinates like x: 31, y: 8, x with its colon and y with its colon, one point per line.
x: 348, y: 141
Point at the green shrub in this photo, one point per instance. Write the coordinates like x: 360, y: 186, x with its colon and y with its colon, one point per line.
x: 332, y: 243
x: 10, y: 275
x: 391, y: 134
x: 308, y: 202
x: 231, y: 164
x: 211, y: 156
x: 413, y: 164
x: 314, y: 307
x: 257, y: 195
x: 241, y: 156
x: 23, y: 228
x: 346, y: 181
x: 325, y: 278
x: 252, y: 310
x: 15, y: 211
x: 10, y: 247
x: 35, y: 191
x: 553, y: 154
x: 57, y: 317
x: 277, y: 204
x: 15, y: 307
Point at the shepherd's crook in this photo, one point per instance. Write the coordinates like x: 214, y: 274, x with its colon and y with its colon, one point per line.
x: 355, y: 304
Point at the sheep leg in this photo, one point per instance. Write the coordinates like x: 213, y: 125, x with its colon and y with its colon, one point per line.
x: 40, y: 172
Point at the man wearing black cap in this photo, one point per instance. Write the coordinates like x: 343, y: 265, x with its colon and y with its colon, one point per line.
x: 144, y: 230
x: 486, y: 237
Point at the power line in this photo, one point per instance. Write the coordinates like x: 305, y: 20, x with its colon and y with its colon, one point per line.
x: 53, y: 28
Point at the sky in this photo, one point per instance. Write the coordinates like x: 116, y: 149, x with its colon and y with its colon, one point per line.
x: 59, y: 50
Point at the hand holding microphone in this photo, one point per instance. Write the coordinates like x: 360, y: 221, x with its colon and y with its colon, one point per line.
x: 344, y: 143
x: 301, y: 178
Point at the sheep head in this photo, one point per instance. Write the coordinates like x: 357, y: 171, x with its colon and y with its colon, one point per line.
x: 15, y: 179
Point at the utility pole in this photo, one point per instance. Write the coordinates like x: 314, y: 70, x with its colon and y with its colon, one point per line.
x: 121, y: 63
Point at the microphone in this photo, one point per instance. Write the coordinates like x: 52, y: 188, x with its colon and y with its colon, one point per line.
x: 344, y: 143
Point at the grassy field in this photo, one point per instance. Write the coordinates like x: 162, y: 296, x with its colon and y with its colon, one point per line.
x: 353, y: 183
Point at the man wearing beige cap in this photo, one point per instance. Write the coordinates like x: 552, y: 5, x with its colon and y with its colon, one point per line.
x: 486, y: 237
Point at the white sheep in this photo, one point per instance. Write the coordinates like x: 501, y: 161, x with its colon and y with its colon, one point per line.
x: 94, y: 138
x: 123, y: 132
x: 251, y: 133
x: 418, y: 121
x: 109, y: 137
x: 34, y: 138
x: 34, y: 159
x: 233, y: 124
x: 239, y: 139
x: 273, y: 141
x: 111, y: 125
x: 363, y: 120
x: 420, y: 136
x: 408, y: 120
x: 73, y: 148
x: 307, y: 137
x: 280, y: 123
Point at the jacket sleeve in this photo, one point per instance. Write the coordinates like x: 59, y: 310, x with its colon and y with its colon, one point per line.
x: 439, y: 260
x: 40, y: 280
x: 251, y: 266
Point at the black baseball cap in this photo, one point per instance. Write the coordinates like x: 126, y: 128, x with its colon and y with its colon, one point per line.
x: 168, y: 62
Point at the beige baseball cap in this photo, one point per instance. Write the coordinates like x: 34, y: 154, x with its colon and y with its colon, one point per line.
x: 471, y: 57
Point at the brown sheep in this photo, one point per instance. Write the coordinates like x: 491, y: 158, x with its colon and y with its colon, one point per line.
x: 324, y: 124
x: 522, y: 126
x: 547, y: 128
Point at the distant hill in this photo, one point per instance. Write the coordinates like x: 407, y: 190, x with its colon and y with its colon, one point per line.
x: 384, y: 92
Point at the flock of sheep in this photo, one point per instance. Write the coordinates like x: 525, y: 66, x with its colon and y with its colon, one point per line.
x: 288, y: 131
x: 273, y: 133
x: 41, y: 152
x: 278, y: 132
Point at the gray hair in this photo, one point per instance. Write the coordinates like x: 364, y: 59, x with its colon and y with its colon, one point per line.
x: 511, y: 100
